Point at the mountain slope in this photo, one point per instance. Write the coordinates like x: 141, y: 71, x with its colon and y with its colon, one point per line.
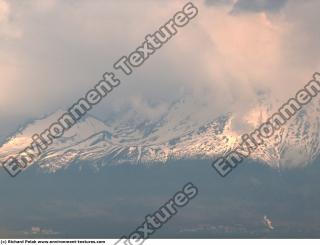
x: 186, y: 131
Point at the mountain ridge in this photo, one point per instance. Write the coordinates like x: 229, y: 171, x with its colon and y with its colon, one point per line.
x: 183, y: 132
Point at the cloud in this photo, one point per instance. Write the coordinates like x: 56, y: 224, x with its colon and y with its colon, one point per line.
x: 229, y: 59
x: 218, y: 2
x: 147, y: 110
x: 249, y: 6
x: 4, y: 11
x: 7, y: 29
x: 257, y: 6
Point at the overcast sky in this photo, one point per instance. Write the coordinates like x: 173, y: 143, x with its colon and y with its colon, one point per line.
x: 53, y: 51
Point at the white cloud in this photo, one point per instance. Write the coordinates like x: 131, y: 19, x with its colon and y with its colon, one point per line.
x: 4, y: 11
x: 67, y: 45
x: 7, y: 29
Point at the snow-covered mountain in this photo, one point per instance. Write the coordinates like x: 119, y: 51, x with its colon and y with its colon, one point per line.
x: 187, y: 131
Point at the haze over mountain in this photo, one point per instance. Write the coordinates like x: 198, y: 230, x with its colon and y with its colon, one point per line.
x: 186, y: 131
